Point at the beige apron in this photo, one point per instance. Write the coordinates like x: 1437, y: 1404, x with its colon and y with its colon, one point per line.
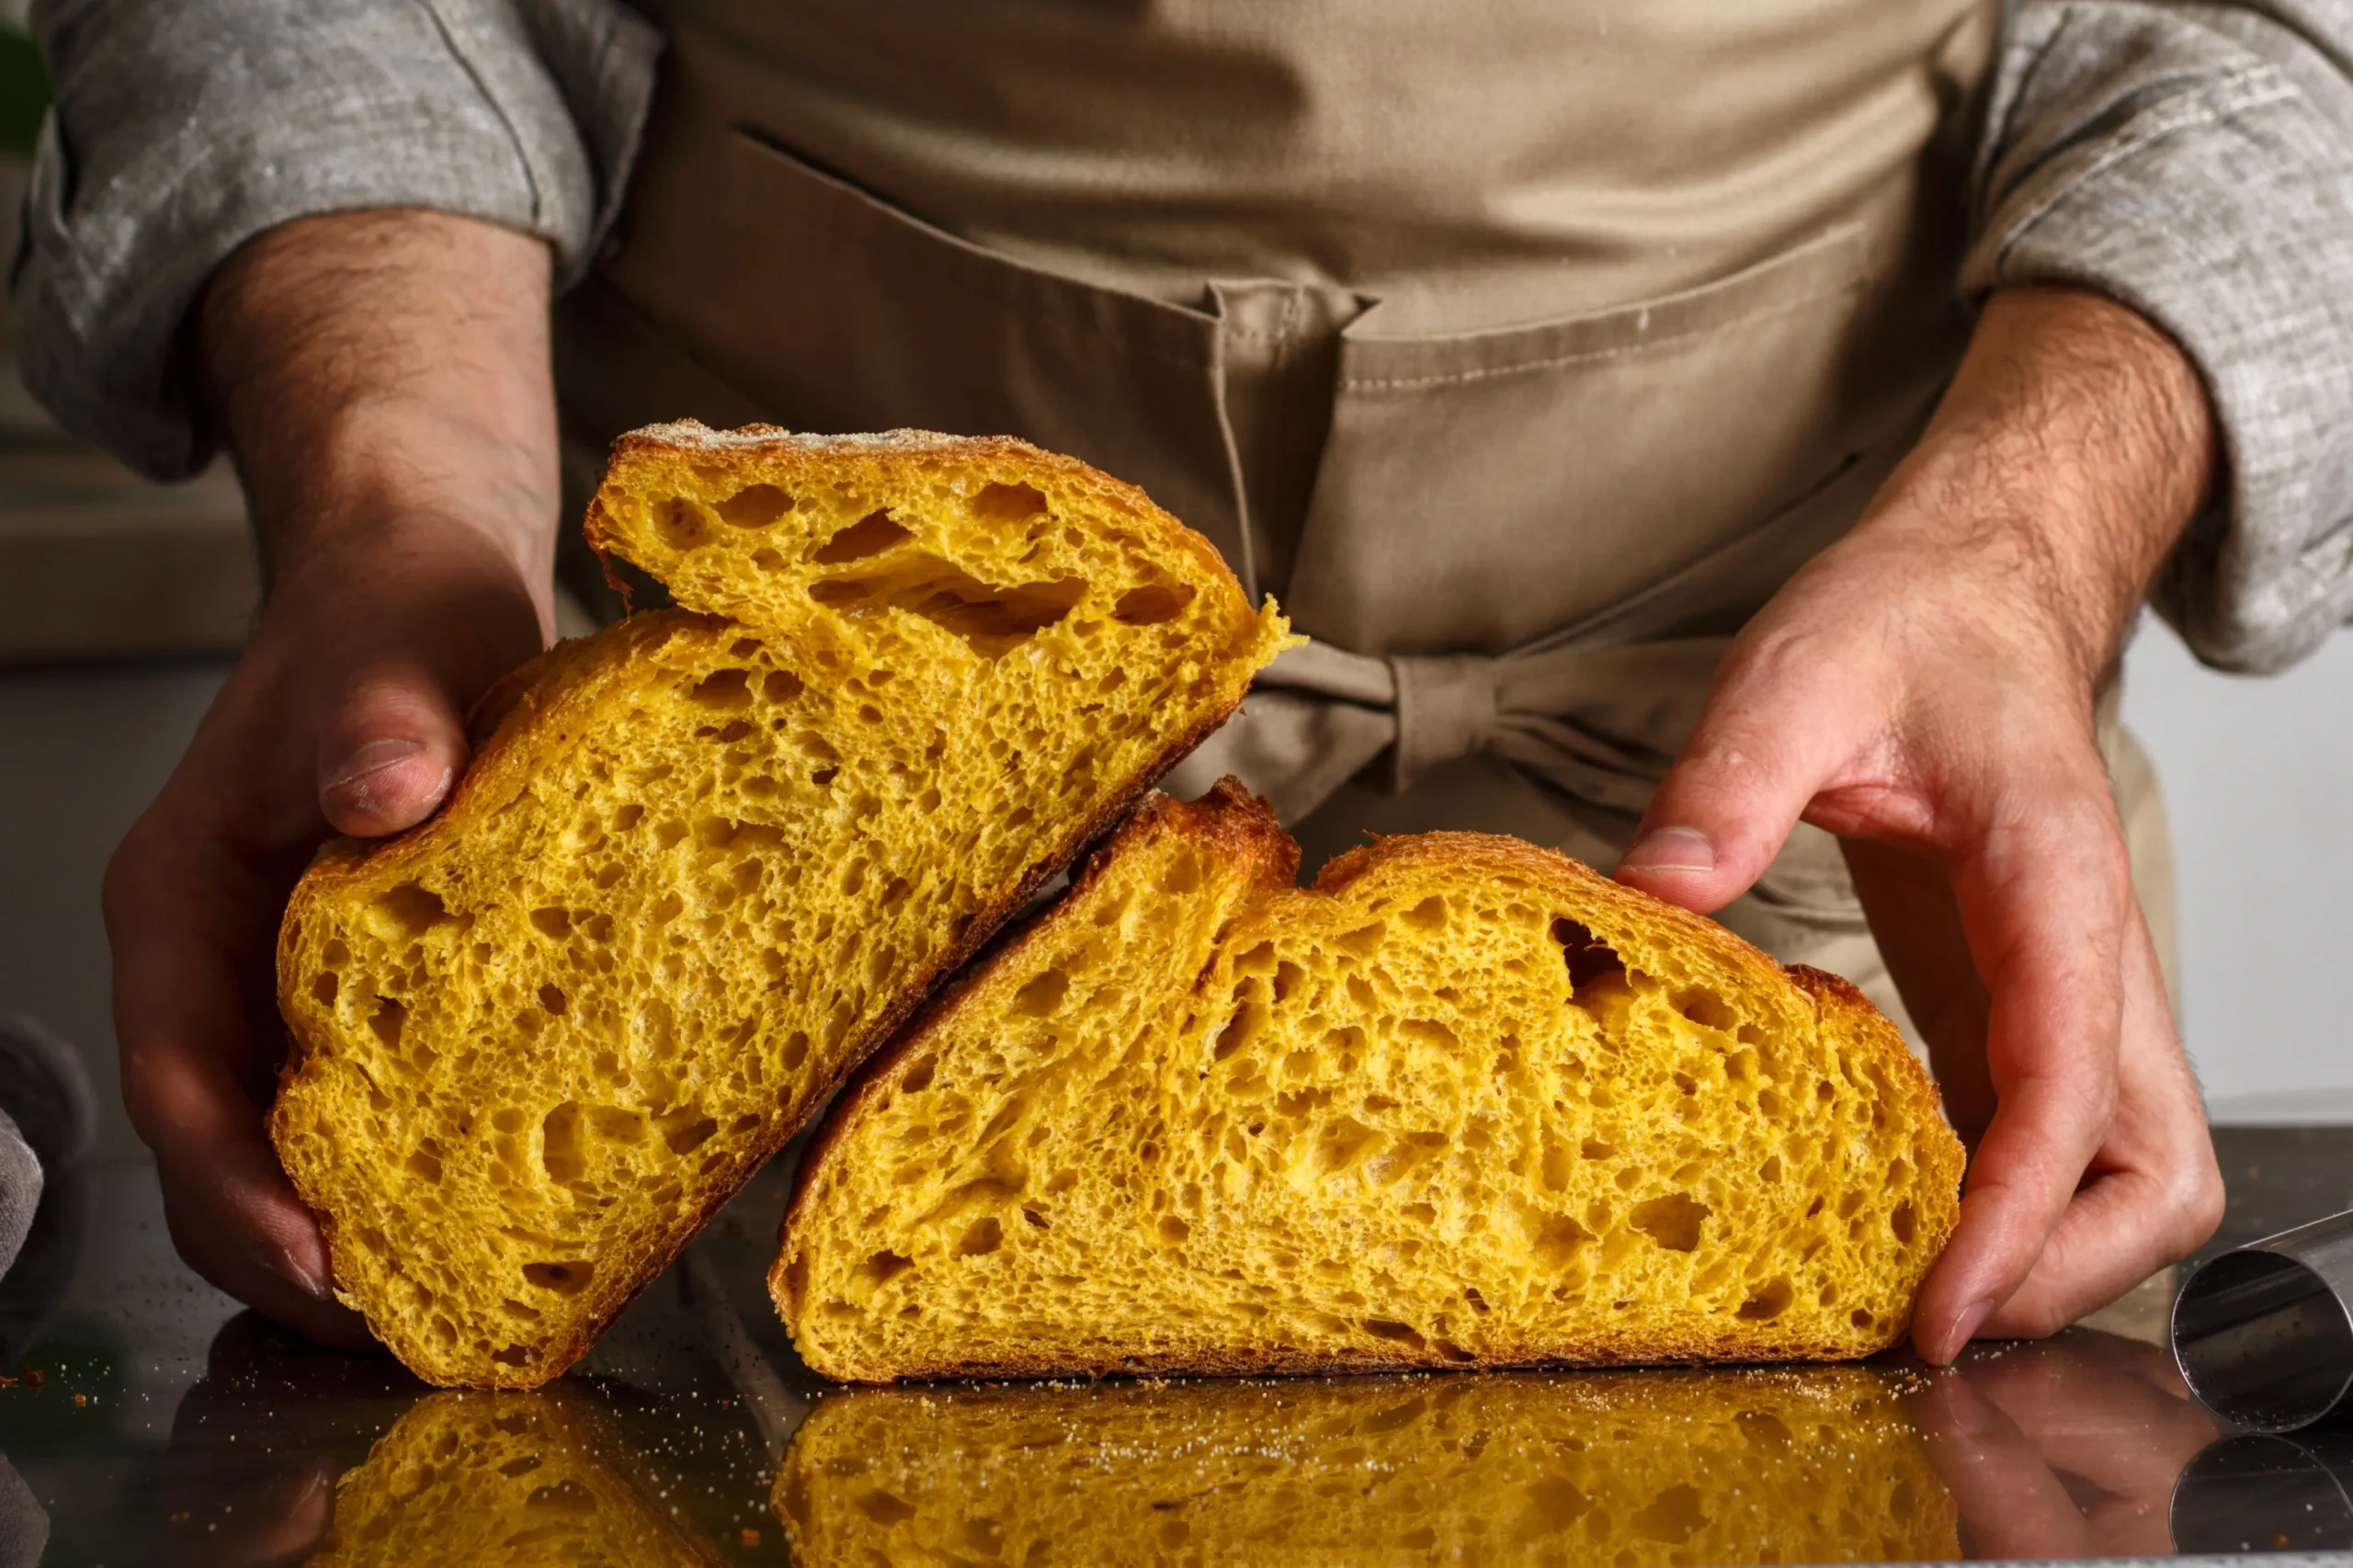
x: 1523, y: 348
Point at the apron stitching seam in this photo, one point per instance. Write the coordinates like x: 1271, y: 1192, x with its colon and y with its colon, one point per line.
x: 1626, y: 350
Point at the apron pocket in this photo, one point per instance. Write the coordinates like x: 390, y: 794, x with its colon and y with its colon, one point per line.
x: 1480, y: 490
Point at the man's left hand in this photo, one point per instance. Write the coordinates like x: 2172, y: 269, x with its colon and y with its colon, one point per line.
x: 1925, y: 690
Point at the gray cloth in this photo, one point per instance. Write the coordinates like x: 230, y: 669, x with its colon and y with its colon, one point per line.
x: 2196, y: 163
x: 21, y: 1185
x: 2192, y: 161
x: 182, y: 129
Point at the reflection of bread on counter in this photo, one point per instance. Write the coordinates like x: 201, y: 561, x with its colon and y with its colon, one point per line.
x: 1811, y: 1466
x: 500, y: 1481
x: 707, y: 859
x: 1465, y: 1102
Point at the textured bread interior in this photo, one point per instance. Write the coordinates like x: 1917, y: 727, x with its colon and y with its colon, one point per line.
x: 1463, y: 1103
x: 1818, y: 1466
x: 710, y: 856
x: 499, y: 1480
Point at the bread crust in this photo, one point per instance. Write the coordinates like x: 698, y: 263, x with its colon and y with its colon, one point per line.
x: 1244, y: 830
x: 533, y: 715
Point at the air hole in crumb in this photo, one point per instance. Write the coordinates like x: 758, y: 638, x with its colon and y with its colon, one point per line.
x: 386, y: 1021
x: 723, y: 690
x: 1154, y: 604
x: 405, y: 913
x: 1859, y: 1318
x: 871, y: 535
x: 1007, y: 503
x: 1588, y: 957
x: 567, y: 1279
x: 1395, y: 1332
x: 1041, y: 996
x: 1769, y: 1301
x: 756, y: 506
x: 560, y: 1149
x: 1174, y: 1231
x: 781, y: 686
x: 1904, y: 1223
x: 1673, y: 1222
x: 323, y: 989
x: 685, y: 1132
x: 551, y: 997
x: 982, y: 1237
x: 681, y: 524
x: 1706, y: 1009
x: 918, y: 1076
x: 884, y: 1266
x: 512, y: 1355
x: 552, y: 922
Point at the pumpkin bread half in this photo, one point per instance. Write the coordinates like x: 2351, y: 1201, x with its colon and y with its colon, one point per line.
x: 708, y: 857
x: 1463, y: 1103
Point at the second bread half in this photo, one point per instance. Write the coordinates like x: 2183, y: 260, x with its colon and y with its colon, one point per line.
x: 1463, y: 1103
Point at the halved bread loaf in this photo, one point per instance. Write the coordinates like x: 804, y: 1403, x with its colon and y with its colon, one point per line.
x: 710, y: 856
x: 1813, y: 1466
x: 504, y: 1481
x: 1463, y: 1103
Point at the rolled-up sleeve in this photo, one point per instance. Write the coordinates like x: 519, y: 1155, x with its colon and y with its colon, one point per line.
x: 184, y: 128
x: 2196, y: 163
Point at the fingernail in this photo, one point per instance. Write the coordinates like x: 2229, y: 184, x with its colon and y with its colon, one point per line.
x: 1670, y: 849
x: 373, y: 757
x: 1964, y: 1326
x: 289, y: 1268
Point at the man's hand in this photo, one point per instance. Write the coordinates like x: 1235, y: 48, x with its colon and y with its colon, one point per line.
x: 1925, y: 689
x: 384, y: 385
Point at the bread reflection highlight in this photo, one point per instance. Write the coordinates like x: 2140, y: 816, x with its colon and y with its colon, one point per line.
x: 500, y: 1481
x: 1789, y: 1466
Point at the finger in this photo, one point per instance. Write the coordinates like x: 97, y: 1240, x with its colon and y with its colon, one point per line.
x: 389, y: 751
x: 2045, y: 896
x: 2092, y: 1415
x: 2011, y: 1502
x: 1917, y: 924
x: 1779, y: 724
x: 2160, y: 1194
x: 180, y: 1019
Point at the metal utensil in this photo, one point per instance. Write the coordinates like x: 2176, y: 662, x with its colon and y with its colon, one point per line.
x: 2264, y: 1334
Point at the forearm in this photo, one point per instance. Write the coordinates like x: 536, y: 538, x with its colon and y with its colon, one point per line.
x: 384, y: 377
x: 2074, y: 446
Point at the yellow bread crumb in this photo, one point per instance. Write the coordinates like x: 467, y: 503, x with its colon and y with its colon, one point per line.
x: 710, y: 856
x: 1464, y: 1103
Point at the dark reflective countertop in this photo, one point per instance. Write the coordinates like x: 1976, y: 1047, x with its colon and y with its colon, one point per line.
x: 150, y: 1422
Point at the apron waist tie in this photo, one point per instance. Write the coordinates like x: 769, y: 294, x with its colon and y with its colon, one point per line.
x: 1600, y: 723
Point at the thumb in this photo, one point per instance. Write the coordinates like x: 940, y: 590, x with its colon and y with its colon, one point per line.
x: 389, y: 751
x: 1763, y: 749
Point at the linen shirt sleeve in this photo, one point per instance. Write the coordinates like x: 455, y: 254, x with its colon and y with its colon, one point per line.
x: 184, y: 128
x: 2194, y: 162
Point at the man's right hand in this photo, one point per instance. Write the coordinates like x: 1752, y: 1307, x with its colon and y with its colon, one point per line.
x: 382, y: 379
